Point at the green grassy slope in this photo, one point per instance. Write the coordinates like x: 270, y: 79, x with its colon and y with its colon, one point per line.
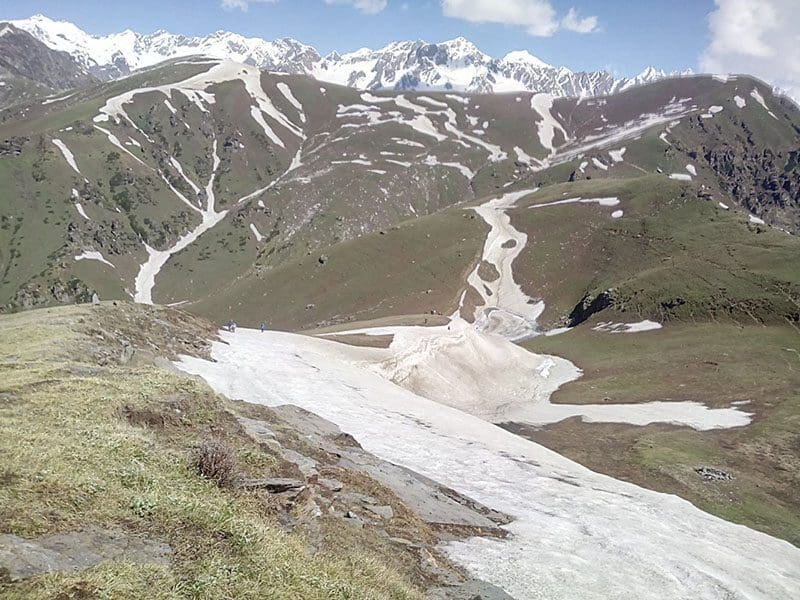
x: 416, y: 267
x: 713, y: 363
x: 672, y: 255
x: 87, y: 441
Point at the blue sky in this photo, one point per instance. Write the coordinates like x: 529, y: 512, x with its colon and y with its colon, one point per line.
x: 628, y: 35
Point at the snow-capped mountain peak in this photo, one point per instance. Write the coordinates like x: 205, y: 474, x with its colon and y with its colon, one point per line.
x: 455, y: 64
x: 525, y: 57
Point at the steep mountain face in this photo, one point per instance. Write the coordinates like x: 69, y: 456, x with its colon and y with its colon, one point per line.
x: 196, y: 180
x: 413, y: 65
x: 29, y: 68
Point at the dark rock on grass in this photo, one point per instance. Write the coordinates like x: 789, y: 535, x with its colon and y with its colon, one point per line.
x: 711, y: 474
x: 588, y: 306
x: 22, y: 558
x: 274, y: 485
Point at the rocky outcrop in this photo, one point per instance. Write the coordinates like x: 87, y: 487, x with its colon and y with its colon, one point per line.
x: 589, y: 305
x: 29, y: 63
x: 764, y: 181
x: 22, y: 558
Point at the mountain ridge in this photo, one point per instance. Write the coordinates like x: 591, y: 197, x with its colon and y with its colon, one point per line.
x: 456, y: 64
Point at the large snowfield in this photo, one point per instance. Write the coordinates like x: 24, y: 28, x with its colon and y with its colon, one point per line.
x: 576, y: 534
x: 428, y: 402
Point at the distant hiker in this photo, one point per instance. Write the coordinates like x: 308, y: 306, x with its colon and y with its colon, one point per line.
x: 263, y: 327
x: 230, y: 325
x: 233, y: 327
x: 95, y: 299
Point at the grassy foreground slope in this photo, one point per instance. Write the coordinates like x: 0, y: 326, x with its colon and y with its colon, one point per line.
x: 89, y: 442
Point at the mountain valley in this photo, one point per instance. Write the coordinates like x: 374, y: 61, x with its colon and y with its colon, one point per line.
x: 553, y: 298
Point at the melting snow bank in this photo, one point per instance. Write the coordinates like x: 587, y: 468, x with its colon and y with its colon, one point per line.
x: 506, y: 309
x: 488, y: 376
x: 93, y: 255
x: 577, y: 534
x: 610, y: 327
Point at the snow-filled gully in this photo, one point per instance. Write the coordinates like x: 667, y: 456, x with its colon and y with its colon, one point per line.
x: 195, y: 89
x: 576, y: 533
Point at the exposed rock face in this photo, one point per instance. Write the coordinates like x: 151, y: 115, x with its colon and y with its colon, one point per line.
x: 28, y: 67
x: 588, y: 306
x: 765, y: 182
x: 22, y: 558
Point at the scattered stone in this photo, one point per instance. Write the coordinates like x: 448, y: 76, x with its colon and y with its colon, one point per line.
x: 332, y: 485
x: 307, y: 466
x: 323, y: 259
x: 126, y: 354
x: 353, y: 518
x: 711, y: 474
x: 384, y: 512
x: 402, y: 541
x: 311, y: 306
x: 8, y: 398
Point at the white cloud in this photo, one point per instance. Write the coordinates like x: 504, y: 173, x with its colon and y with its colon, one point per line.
x: 574, y: 23
x: 537, y: 16
x: 243, y: 4
x: 757, y: 37
x: 369, y: 7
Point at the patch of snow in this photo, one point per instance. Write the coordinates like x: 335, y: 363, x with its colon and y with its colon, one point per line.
x: 149, y: 270
x: 723, y: 205
x: 81, y: 212
x: 67, y: 155
x: 93, y: 255
x: 680, y: 176
x: 599, y: 164
x: 692, y: 171
x: 616, y: 214
x: 404, y: 142
x: 462, y: 99
x: 740, y: 102
x: 611, y: 201
x: 287, y: 93
x: 756, y: 95
x: 524, y: 157
x: 59, y: 99
x: 463, y: 169
x: 609, y: 327
x: 256, y: 233
x: 756, y: 220
x: 432, y: 102
x: 547, y: 125
x: 616, y: 155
